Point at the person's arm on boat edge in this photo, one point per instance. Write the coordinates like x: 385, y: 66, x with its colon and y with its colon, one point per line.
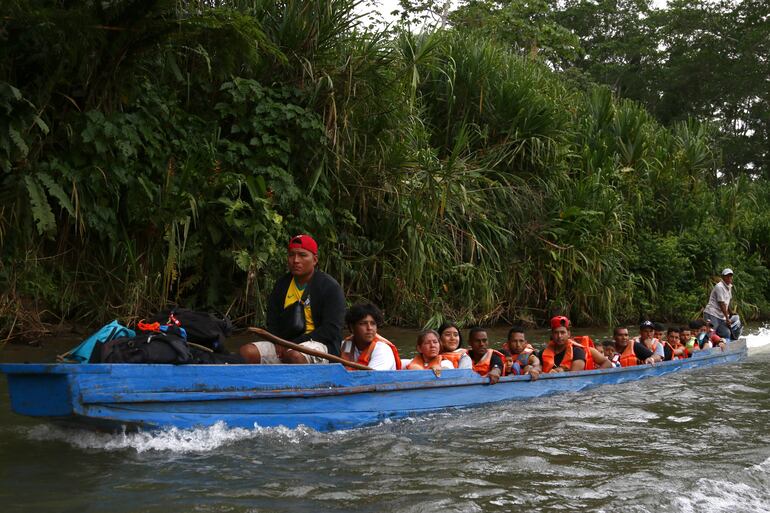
x: 495, y: 368
x: 600, y: 361
x: 643, y: 353
x: 533, y: 367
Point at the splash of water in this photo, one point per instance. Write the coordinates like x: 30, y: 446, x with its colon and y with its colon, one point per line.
x: 198, y: 440
x: 759, y: 339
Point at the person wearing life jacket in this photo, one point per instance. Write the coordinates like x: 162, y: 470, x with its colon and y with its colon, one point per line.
x: 673, y: 346
x: 658, y: 331
x: 688, y: 340
x: 563, y: 354
x: 486, y: 361
x: 428, y: 353
x: 452, y: 346
x: 701, y: 330
x: 365, y: 345
x: 646, y: 329
x: 631, y: 352
x: 608, y: 350
x: 520, y: 357
x: 595, y: 358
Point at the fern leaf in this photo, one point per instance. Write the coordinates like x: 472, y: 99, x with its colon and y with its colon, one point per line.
x: 18, y: 140
x: 41, y: 124
x: 41, y: 210
x: 55, y: 190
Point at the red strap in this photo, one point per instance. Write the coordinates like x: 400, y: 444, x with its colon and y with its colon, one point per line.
x: 143, y: 326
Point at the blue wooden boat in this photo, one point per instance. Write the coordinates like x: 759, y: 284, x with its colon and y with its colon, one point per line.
x: 323, y: 397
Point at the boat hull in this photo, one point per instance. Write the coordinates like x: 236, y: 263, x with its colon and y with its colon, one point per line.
x: 322, y: 397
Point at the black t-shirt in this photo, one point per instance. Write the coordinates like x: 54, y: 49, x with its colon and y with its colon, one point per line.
x: 668, y: 353
x: 641, y: 351
x: 577, y: 354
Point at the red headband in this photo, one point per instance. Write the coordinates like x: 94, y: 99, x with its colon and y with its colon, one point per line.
x: 559, y: 321
x: 304, y: 242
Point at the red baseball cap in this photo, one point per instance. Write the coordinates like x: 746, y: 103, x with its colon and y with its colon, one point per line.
x: 559, y: 321
x: 304, y: 242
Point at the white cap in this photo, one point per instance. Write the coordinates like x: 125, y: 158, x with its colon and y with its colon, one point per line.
x: 726, y: 271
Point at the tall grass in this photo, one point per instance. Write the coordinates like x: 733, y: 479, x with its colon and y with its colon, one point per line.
x: 446, y: 176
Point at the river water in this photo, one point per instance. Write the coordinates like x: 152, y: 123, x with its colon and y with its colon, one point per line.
x: 691, y: 442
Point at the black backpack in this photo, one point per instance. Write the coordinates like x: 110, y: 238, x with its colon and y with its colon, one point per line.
x: 146, y: 347
x: 202, y: 328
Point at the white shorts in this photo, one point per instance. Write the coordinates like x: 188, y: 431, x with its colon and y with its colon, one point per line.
x: 268, y: 355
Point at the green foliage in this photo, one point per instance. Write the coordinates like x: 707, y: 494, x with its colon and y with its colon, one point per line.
x: 168, y: 153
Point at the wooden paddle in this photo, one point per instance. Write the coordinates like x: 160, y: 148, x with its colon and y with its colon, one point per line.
x: 312, y: 352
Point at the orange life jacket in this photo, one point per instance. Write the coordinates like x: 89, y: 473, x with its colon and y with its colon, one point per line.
x: 628, y: 357
x: 365, y: 356
x: 483, y: 366
x: 584, y: 340
x: 680, y: 346
x: 566, y: 362
x: 455, y: 356
x: 418, y: 363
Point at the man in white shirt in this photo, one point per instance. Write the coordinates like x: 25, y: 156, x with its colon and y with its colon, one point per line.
x: 717, y: 311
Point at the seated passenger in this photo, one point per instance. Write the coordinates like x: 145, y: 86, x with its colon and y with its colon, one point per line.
x: 428, y: 357
x: 631, y: 352
x: 702, y: 333
x: 452, y: 346
x: 608, y: 350
x: 306, y: 306
x: 563, y: 354
x: 594, y: 354
x: 364, y: 345
x: 523, y: 359
x: 486, y: 362
x: 717, y: 341
x: 674, y: 349
x: 658, y: 331
x: 688, y: 340
x: 646, y: 337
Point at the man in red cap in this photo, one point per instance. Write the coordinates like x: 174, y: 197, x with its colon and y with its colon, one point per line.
x: 306, y: 306
x: 563, y: 354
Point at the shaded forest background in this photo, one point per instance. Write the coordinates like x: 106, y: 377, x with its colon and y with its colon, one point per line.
x: 502, y: 162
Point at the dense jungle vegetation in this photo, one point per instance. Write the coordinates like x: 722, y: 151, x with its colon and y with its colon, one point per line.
x: 502, y: 160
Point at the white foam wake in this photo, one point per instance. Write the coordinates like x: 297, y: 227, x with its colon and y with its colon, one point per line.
x: 759, y: 338
x: 174, y: 440
x: 750, y: 494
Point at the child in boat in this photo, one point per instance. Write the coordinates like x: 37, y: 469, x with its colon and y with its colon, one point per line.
x: 428, y: 353
x: 520, y: 355
x: 608, y: 350
x: 365, y: 345
x: 452, y: 346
